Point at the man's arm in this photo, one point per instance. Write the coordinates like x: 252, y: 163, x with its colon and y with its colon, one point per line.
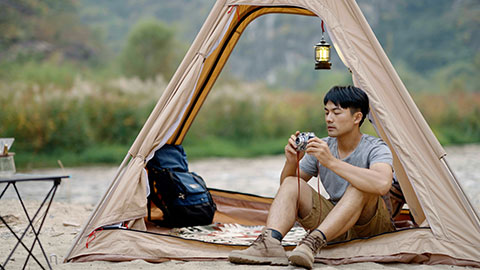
x: 376, y: 180
x: 290, y: 167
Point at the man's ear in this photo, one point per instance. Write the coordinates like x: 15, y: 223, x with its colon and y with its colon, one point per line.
x: 357, y: 117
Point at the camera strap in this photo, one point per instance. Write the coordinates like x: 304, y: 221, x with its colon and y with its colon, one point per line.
x: 298, y: 181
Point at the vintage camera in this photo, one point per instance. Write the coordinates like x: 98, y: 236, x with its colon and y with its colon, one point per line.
x: 302, y: 140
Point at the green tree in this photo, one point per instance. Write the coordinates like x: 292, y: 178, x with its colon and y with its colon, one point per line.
x: 149, y: 51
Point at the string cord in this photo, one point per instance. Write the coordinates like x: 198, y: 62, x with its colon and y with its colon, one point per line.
x: 93, y: 235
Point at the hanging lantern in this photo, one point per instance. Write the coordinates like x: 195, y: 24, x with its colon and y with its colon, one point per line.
x: 322, y: 53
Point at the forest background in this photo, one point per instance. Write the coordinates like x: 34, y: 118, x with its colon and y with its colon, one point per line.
x: 78, y: 78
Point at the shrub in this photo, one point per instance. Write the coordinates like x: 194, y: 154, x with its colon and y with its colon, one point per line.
x: 149, y: 51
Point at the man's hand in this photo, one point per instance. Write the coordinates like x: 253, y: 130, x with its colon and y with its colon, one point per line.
x: 319, y: 149
x: 290, y: 167
x: 290, y: 149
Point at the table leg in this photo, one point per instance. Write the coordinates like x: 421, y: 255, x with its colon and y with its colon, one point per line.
x: 54, y: 188
x: 5, y: 189
x: 19, y: 241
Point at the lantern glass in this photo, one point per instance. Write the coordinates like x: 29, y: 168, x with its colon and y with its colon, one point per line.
x: 322, y: 53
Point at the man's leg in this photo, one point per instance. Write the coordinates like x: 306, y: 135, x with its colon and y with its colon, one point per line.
x: 355, y: 207
x: 267, y: 249
x: 283, y: 212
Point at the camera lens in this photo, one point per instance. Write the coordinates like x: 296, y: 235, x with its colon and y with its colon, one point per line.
x: 302, y: 140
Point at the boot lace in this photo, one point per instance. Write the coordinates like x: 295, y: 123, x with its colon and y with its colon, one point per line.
x: 314, y: 242
x: 260, y: 240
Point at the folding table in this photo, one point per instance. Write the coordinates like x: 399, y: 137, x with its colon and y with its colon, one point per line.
x: 12, y: 181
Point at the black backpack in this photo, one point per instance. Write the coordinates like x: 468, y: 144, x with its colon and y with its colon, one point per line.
x: 182, y: 196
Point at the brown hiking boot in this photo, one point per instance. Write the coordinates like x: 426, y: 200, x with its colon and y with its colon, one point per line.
x: 304, y: 253
x: 264, y: 250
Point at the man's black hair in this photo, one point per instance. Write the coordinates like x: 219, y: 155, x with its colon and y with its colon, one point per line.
x: 349, y: 97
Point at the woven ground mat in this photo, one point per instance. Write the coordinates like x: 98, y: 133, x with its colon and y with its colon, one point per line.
x: 233, y: 234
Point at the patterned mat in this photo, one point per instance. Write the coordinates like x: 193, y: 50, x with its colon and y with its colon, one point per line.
x: 233, y: 234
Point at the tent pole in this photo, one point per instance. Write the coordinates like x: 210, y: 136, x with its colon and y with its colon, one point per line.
x: 92, y: 215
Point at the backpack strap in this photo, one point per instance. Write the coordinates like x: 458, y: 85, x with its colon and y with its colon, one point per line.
x: 154, y: 197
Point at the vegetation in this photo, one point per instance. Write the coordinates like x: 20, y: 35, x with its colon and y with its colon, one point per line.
x: 82, y: 123
x: 42, y: 30
x: 149, y: 51
x: 96, y: 123
x: 79, y: 91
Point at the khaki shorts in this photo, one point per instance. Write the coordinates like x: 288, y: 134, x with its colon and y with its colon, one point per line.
x: 380, y: 222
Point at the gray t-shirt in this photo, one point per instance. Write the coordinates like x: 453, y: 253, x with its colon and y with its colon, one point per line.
x: 370, y: 150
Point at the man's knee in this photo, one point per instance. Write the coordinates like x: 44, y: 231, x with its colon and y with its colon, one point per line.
x: 290, y: 189
x: 365, y: 198
x: 291, y: 183
x: 367, y: 201
x: 290, y: 179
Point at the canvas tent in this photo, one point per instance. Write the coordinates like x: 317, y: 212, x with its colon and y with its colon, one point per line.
x: 449, y: 226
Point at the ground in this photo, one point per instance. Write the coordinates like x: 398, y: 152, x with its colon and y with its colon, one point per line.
x: 77, y: 196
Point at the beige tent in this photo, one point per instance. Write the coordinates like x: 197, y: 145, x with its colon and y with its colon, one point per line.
x: 449, y: 227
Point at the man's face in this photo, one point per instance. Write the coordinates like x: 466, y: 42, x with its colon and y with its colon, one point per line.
x: 339, y: 121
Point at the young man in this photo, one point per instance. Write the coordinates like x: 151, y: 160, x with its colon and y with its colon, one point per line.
x: 355, y: 169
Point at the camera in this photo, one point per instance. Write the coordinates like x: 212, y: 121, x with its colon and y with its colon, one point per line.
x: 302, y: 140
